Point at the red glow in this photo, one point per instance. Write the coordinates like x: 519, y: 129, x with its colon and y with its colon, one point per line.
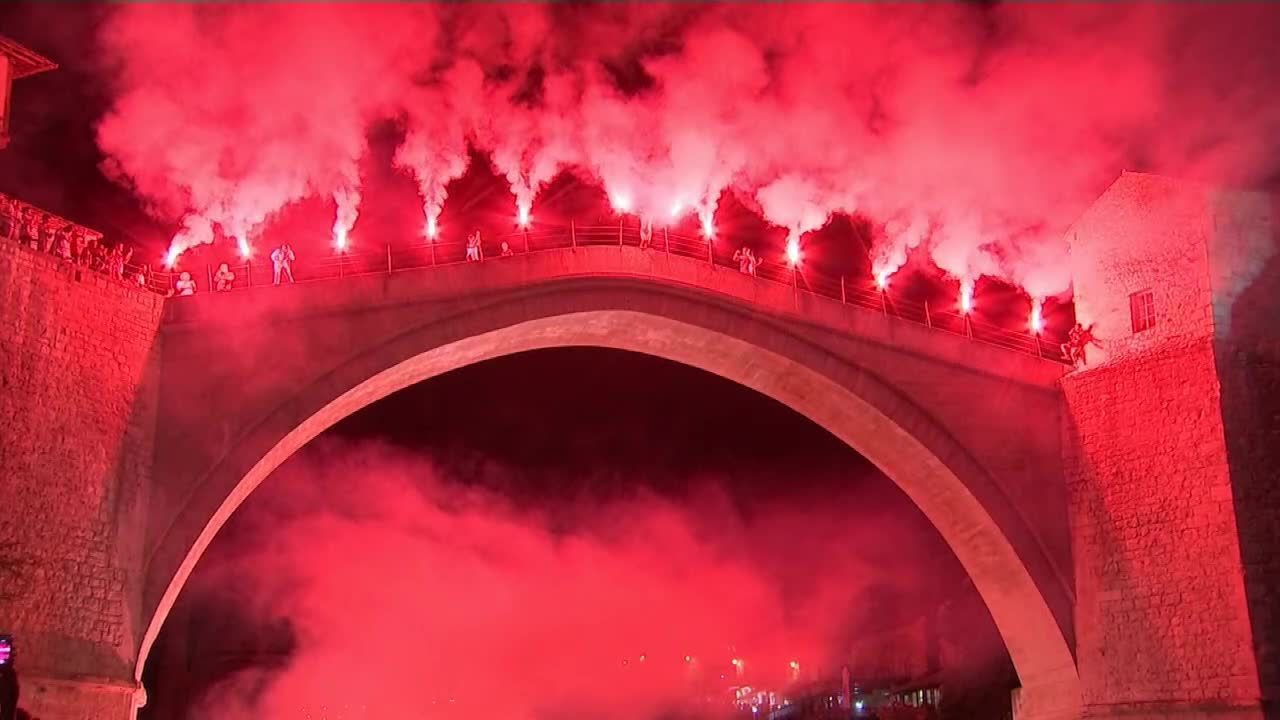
x: 676, y: 208
x: 708, y: 228
x: 621, y: 203
x: 882, y: 281
x: 432, y: 230
x: 171, y: 257
x: 340, y: 240
x: 966, y: 298
x: 793, y: 252
x: 245, y: 250
x: 1037, y: 320
x: 967, y: 208
x: 522, y: 217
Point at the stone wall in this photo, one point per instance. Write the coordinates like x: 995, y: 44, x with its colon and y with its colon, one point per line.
x: 1170, y: 451
x: 1161, y: 617
x: 1245, y: 263
x: 78, y: 398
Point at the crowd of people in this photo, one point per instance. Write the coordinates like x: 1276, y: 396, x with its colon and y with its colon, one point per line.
x: 43, y: 232
x: 46, y: 233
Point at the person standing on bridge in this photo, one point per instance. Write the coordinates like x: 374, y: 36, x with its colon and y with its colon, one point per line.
x: 282, y: 263
x: 646, y: 234
x: 223, y: 279
x: 475, y: 250
x: 506, y: 249
x: 185, y: 286
x: 747, y: 260
x: 1078, y: 339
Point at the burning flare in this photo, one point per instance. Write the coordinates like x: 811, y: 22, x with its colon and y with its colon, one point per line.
x: 793, y: 250
x: 348, y: 199
x: 966, y: 296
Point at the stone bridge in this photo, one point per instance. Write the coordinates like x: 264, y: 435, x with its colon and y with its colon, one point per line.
x: 1102, y: 537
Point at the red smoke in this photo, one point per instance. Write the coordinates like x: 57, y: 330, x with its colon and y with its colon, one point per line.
x: 412, y: 596
x: 977, y: 134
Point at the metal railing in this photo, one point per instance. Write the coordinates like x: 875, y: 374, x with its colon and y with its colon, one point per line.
x: 389, y: 259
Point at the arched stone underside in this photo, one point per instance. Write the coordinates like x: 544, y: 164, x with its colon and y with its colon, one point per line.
x: 953, y: 490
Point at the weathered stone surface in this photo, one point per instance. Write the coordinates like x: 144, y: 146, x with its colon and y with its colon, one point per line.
x: 1170, y: 447
x: 1161, y: 612
x: 78, y: 368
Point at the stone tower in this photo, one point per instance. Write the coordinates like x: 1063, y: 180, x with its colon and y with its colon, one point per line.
x: 1171, y: 451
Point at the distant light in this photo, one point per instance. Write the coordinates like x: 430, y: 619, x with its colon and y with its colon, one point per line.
x: 621, y: 203
x: 1037, y: 320
x: 966, y: 298
x: 737, y: 662
x: 793, y: 252
x: 795, y: 665
x: 245, y: 250
x: 642, y: 657
x: 688, y: 658
x: 859, y: 704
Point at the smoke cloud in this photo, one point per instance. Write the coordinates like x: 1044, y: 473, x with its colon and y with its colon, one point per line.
x: 410, y: 595
x: 976, y: 134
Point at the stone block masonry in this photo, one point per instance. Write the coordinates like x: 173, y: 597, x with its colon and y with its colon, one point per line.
x: 78, y: 399
x: 1171, y: 448
x: 1161, y: 614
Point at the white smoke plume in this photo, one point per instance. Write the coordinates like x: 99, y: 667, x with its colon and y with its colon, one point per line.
x: 975, y: 134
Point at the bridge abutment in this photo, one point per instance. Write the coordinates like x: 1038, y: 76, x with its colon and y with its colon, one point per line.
x: 78, y: 356
x: 1167, y: 521
x: 83, y: 699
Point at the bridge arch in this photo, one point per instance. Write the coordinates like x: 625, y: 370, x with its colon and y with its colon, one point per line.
x: 910, y: 445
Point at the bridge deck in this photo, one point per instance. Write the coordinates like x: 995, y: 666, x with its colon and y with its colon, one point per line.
x: 566, y: 242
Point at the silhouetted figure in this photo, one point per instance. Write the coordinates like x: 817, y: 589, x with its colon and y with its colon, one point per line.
x: 10, y: 217
x: 282, y: 262
x: 1078, y: 339
x: 646, y: 234
x: 747, y: 260
x: 8, y: 680
x: 475, y: 251
x: 31, y: 229
x: 64, y: 245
